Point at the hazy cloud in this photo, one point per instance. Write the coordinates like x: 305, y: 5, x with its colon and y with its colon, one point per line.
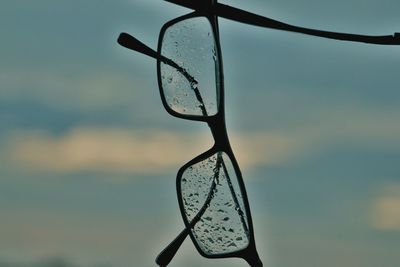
x: 154, y: 151
x: 386, y: 210
x: 123, y: 150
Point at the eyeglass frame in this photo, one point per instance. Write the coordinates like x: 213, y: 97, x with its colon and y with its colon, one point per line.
x: 217, y: 125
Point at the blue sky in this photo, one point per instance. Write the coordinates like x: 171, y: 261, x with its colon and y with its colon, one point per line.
x: 89, y: 156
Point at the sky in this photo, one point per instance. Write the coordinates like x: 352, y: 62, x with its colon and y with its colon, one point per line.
x: 88, y: 155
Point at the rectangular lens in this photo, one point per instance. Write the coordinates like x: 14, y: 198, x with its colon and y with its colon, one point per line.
x: 210, y: 187
x: 188, y: 69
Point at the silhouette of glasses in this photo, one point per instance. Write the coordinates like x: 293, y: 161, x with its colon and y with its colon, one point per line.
x: 210, y: 187
x: 211, y: 192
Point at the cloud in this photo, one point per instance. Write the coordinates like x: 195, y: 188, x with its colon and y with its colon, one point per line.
x: 114, y: 150
x: 146, y: 152
x: 386, y: 210
x: 265, y: 148
x: 155, y: 151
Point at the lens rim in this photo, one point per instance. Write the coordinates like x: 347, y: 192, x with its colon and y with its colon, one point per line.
x: 246, y: 253
x: 219, y: 79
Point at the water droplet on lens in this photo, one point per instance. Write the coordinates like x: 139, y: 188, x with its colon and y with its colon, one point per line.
x: 232, y: 244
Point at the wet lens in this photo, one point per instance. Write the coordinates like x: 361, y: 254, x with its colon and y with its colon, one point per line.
x: 188, y: 67
x: 210, y: 189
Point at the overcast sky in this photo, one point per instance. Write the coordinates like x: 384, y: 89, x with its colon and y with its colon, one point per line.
x: 88, y: 155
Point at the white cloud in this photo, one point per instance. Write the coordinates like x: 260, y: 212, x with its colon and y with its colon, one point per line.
x: 121, y: 150
x: 265, y: 148
x: 386, y: 210
x: 154, y: 151
x: 102, y: 150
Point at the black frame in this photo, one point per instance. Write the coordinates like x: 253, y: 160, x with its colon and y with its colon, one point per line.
x: 161, y: 58
x: 219, y: 132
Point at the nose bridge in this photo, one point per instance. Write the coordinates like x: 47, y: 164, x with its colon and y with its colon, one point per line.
x: 219, y: 132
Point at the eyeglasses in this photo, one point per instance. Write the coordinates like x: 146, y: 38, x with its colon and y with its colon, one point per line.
x: 211, y: 193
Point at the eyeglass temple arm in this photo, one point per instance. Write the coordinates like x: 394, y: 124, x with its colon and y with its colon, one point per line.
x: 239, y: 15
x: 128, y: 41
x: 165, y: 256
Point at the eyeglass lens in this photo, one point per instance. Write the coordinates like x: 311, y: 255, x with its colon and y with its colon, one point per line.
x: 223, y: 227
x: 191, y: 45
